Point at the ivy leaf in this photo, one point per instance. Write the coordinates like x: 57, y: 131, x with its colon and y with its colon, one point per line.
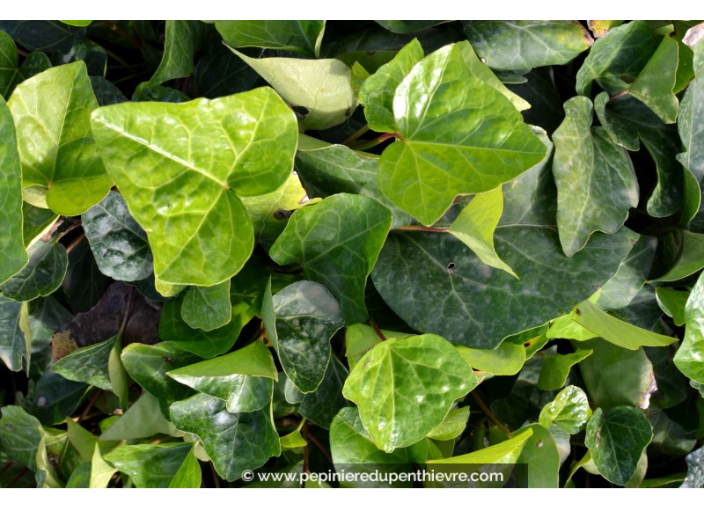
x: 569, y: 411
x: 88, y: 364
x: 152, y: 465
x: 300, y: 320
x: 205, y: 238
x: 475, y: 226
x: 143, y: 419
x: 507, y: 359
x: 541, y: 456
x: 298, y: 36
x: 673, y: 303
x: 42, y: 275
x: 556, y: 368
x: 323, y: 404
x: 148, y: 364
x: 377, y: 93
x: 616, y: 440
x: 690, y: 353
x: 596, y: 183
x: 695, y: 470
x: 617, y: 331
x: 360, y: 338
x: 15, y: 334
x: 329, y: 169
x: 207, y: 308
x: 8, y: 64
x: 181, y: 42
x: 337, y: 241
x: 61, y: 164
x: 452, y: 426
x: 413, y: 380
x: 242, y: 378
x: 12, y: 254
x: 234, y: 442
x: 523, y: 44
x: 119, y: 244
x: 322, y: 87
x: 420, y: 260
x: 43, y: 35
x: 403, y: 27
x: 439, y: 137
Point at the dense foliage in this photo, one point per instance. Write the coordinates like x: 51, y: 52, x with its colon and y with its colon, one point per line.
x: 299, y: 246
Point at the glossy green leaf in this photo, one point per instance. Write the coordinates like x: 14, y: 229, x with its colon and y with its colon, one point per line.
x: 377, y: 93
x: 360, y: 338
x: 673, y: 303
x: 556, y: 368
x: 242, y: 378
x: 617, y: 331
x: 20, y: 435
x: 447, y: 142
x: 143, y: 419
x: 41, y: 276
x: 15, y: 334
x: 60, y: 159
x: 182, y: 38
x: 614, y: 376
x: 256, y: 161
x: 452, y: 426
x: 12, y: 254
x: 189, y: 475
x: 119, y: 244
x: 695, y: 470
x: 323, y: 87
x: 43, y: 35
x: 596, y: 183
x: 541, y: 456
x: 337, y: 241
x: 100, y: 471
x: 616, y: 440
x: 299, y: 36
x: 617, y: 58
x: 148, y: 364
x: 328, y: 169
x: 8, y: 63
x: 506, y: 452
x: 690, y: 260
x: 235, y: 442
x: 88, y: 364
x: 476, y: 224
x: 207, y: 308
x: 449, y: 305
x: 654, y: 85
x: 507, y: 359
x: 151, y: 466
x: 418, y: 377
x: 300, y: 320
x: 569, y: 411
x: 510, y: 45
x: 323, y: 404
x: 690, y: 356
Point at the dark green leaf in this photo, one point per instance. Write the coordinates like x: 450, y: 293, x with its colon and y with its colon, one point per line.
x: 556, y: 368
x: 299, y: 36
x: 43, y: 274
x: 43, y: 35
x: 207, y: 308
x: 323, y: 404
x: 181, y: 41
x: 151, y: 466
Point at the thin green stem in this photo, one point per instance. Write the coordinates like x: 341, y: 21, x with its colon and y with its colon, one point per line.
x: 485, y: 409
x: 368, y: 144
x: 356, y: 135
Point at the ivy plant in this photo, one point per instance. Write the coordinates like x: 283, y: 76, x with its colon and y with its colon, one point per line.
x: 235, y: 249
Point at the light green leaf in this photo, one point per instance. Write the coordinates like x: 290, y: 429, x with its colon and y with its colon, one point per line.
x: 88, y: 364
x: 690, y: 260
x: 300, y: 320
x: 654, y: 85
x: 601, y: 27
x: 189, y: 475
x: 403, y: 27
x: 452, y: 426
x: 673, y: 303
x: 615, y: 330
x: 377, y: 93
x: 150, y: 465
x: 250, y: 139
x: 100, y: 471
x: 541, y: 455
x: 360, y: 338
x: 556, y: 368
x: 475, y: 227
x: 144, y: 419
x: 60, y: 159
x: 207, y: 308
x: 15, y: 334
x: 323, y: 87
x: 569, y: 411
x: 690, y: 355
x: 242, y: 378
x: 234, y: 442
x: 506, y: 452
x: 119, y: 244
x: 12, y: 254
x: 616, y: 439
x: 298, y: 36
x: 405, y: 387
x: 524, y: 44
x: 617, y: 58
x: 120, y: 382
x: 329, y: 169
x: 181, y: 41
x: 42, y: 275
x: 293, y: 440
x: 337, y: 241
x: 507, y: 359
x: 448, y: 142
x: 596, y: 183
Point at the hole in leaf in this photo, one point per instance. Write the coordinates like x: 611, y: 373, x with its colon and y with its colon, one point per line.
x: 450, y: 267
